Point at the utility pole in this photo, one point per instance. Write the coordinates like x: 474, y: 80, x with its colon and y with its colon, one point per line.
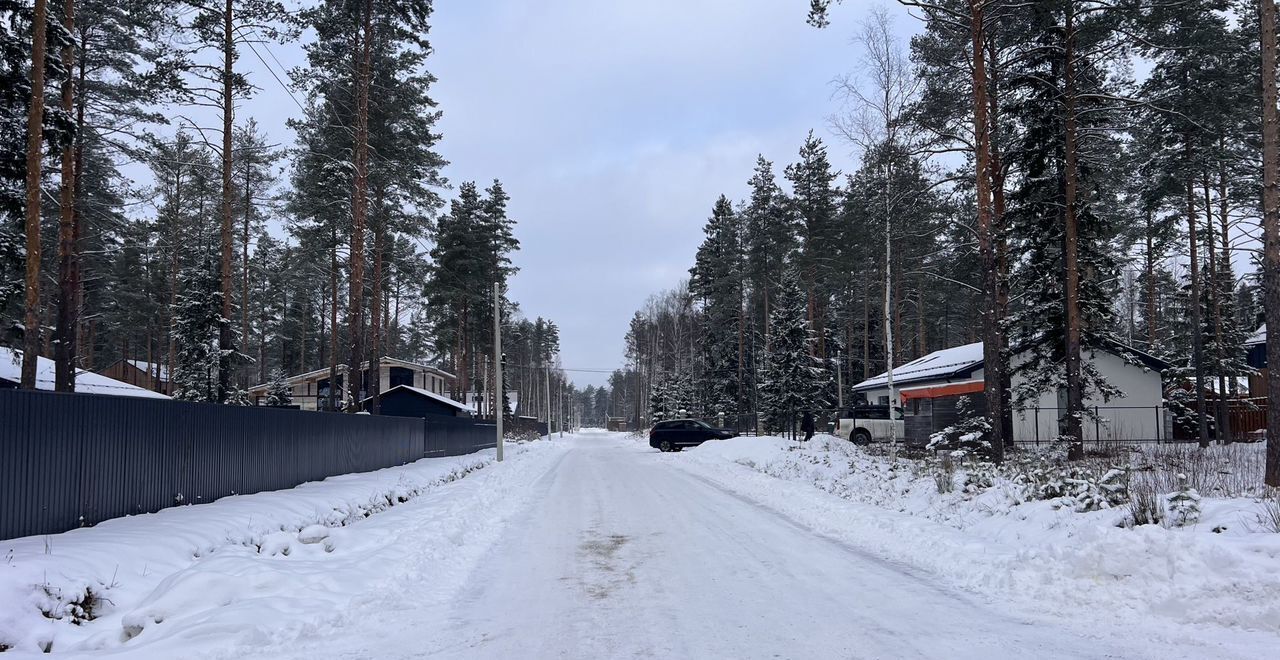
x: 839, y: 387
x: 562, y: 411
x: 547, y: 383
x: 497, y: 357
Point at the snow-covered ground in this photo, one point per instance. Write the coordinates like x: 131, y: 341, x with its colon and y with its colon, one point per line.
x: 1220, y: 576
x: 255, y: 570
x: 596, y: 546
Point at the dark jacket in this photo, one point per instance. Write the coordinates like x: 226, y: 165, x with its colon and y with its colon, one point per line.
x: 806, y: 424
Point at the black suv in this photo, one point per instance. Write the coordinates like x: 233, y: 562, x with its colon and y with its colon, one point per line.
x: 675, y: 434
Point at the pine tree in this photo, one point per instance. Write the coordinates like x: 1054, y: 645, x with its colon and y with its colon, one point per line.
x: 1271, y: 227
x: 1062, y: 210
x: 1191, y: 46
x: 472, y: 251
x: 114, y: 69
x: 254, y: 178
x: 220, y: 29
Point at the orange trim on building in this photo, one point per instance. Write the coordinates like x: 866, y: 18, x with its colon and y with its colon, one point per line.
x: 950, y: 389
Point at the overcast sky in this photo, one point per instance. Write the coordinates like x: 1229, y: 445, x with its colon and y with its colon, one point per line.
x: 614, y: 126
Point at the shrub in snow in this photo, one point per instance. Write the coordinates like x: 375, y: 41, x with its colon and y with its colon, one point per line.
x: 1269, y: 518
x: 1183, y: 505
x: 1077, y: 486
x: 980, y: 476
x: 970, y: 434
x: 944, y: 474
x: 1144, y: 504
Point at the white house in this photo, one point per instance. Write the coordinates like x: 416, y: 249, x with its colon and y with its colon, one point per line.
x: 929, y: 387
x: 87, y: 382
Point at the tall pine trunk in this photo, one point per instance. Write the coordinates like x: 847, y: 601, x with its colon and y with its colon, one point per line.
x: 375, y: 313
x: 1215, y: 303
x: 1271, y: 234
x: 65, y: 332
x: 995, y: 165
x: 225, y: 344
x: 1150, y: 270
x: 82, y: 330
x: 174, y: 235
x: 35, y: 151
x: 987, y: 238
x: 360, y: 208
x: 1197, y: 326
x: 333, y: 320
x: 244, y: 268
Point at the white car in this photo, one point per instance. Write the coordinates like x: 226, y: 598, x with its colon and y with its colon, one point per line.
x: 866, y: 424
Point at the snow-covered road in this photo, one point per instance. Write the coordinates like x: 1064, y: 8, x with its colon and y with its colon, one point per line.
x: 593, y: 546
x: 621, y: 554
x: 624, y: 556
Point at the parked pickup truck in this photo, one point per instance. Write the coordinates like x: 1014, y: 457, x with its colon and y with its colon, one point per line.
x: 866, y: 424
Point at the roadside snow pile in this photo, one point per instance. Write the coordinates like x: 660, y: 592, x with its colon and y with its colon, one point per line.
x: 1063, y: 541
x: 101, y: 587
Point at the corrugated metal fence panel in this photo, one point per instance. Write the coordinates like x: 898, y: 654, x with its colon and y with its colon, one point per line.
x: 455, y: 436
x: 69, y: 460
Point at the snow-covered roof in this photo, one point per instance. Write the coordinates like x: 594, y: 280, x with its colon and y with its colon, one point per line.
x: 1258, y: 337
x: 150, y: 368
x: 87, y: 382
x: 962, y: 361
x: 431, y: 395
x: 936, y: 365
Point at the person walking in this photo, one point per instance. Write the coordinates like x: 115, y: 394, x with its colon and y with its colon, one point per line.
x: 807, y: 426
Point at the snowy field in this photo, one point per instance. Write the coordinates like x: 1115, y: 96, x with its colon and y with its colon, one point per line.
x: 596, y: 546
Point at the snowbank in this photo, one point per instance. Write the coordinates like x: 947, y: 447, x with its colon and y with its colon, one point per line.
x: 1224, y: 570
x: 243, y: 567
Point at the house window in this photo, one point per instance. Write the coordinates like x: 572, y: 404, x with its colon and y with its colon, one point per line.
x: 400, y: 376
x: 884, y: 400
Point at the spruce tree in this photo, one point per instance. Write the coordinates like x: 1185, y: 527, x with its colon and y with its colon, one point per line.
x: 717, y: 280
x: 195, y: 332
x: 813, y: 202
x: 793, y: 378
x: 279, y: 394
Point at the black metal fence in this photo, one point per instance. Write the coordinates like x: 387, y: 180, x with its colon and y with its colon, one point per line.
x: 71, y: 460
x: 454, y: 436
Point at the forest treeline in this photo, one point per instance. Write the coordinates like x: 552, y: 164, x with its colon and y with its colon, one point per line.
x: 145, y: 218
x: 1060, y: 174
